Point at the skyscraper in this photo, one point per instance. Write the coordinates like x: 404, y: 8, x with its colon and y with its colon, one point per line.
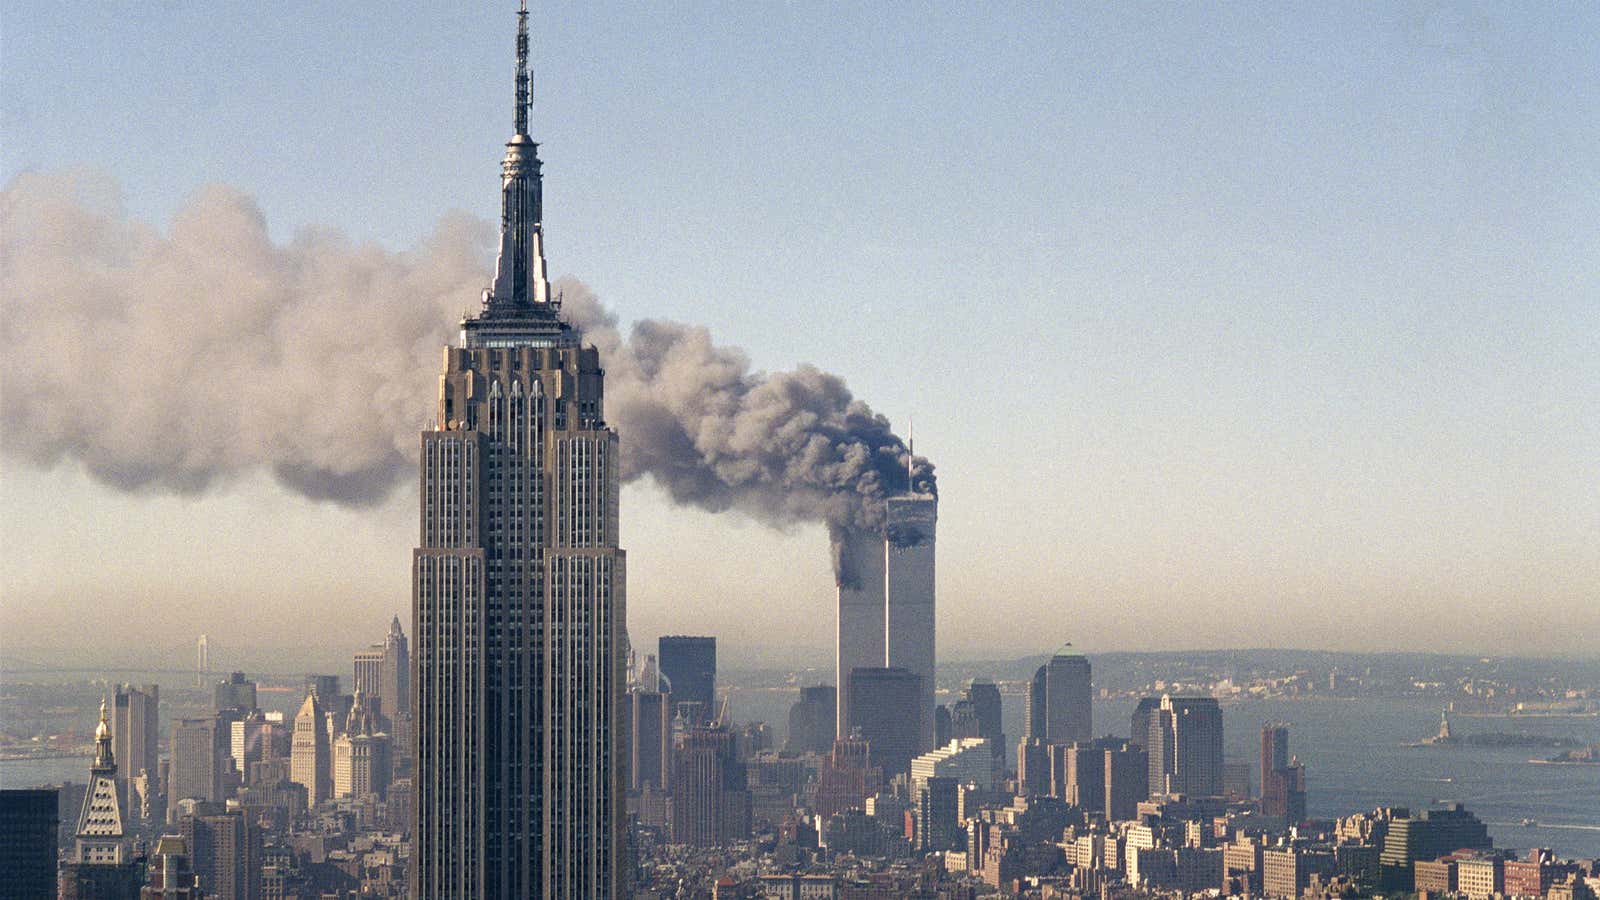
x: 1059, y: 708
x: 101, y: 863
x: 310, y: 756
x: 886, y: 603
x: 197, y: 761
x: 884, y: 707
x: 710, y: 798
x: 908, y: 583
x: 1185, y: 747
x: 1274, y: 751
x: 518, y: 598
x: 134, y: 734
x: 978, y: 714
x: 689, y: 666
x: 811, y: 720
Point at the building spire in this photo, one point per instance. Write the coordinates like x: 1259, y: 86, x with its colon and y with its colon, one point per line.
x: 520, y: 285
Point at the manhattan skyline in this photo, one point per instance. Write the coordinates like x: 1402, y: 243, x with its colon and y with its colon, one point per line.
x: 1277, y: 333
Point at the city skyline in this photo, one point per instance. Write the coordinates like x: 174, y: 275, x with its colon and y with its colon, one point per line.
x: 1253, y: 386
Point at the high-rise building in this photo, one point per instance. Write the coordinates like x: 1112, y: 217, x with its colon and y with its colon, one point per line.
x: 202, y: 660
x: 978, y: 714
x: 1428, y: 836
x: 910, y: 525
x: 886, y: 603
x: 710, y: 798
x: 135, y: 737
x: 689, y: 667
x: 650, y: 740
x: 938, y: 814
x: 1059, y: 708
x: 310, y: 759
x: 519, y: 650
x: 967, y: 760
x: 847, y: 778
x: 1127, y: 769
x: 1142, y: 714
x: 1079, y: 772
x: 101, y: 864
x: 198, y: 764
x: 28, y: 824
x: 885, y: 710
x: 1274, y: 750
x: 812, y: 720
x: 225, y: 851
x: 236, y: 695
x: 382, y: 674
x: 1185, y: 747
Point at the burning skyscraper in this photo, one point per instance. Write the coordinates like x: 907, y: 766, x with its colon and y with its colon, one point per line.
x: 886, y: 600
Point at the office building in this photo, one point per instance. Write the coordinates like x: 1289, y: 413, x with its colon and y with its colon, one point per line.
x: 225, y: 853
x: 688, y: 665
x: 1078, y: 772
x: 235, y: 695
x: 886, y: 584
x: 847, y: 779
x: 967, y: 760
x: 382, y: 675
x: 1059, y: 709
x: 136, y: 733
x: 650, y: 740
x: 938, y: 823
x: 1287, y: 872
x: 1428, y: 836
x: 710, y: 797
x: 28, y: 824
x: 978, y: 714
x: 199, y: 754
x: 1284, y: 792
x: 1274, y: 751
x: 812, y: 720
x: 1142, y: 714
x: 1185, y: 747
x: 172, y: 874
x: 101, y: 864
x: 910, y: 525
x: 518, y: 645
x: 1127, y: 771
x: 310, y: 757
x: 885, y: 706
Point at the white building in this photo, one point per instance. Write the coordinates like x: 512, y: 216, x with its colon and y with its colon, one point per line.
x: 968, y: 760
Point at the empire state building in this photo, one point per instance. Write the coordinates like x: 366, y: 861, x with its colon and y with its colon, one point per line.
x: 518, y: 600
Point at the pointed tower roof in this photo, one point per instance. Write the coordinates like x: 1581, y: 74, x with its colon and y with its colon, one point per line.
x: 100, y: 826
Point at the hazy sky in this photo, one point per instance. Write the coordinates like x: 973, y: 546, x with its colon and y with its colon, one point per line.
x: 1225, y: 325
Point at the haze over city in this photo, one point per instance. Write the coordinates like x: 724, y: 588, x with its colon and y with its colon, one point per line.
x: 1223, y: 327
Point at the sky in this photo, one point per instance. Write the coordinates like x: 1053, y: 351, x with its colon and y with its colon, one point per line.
x: 1225, y: 325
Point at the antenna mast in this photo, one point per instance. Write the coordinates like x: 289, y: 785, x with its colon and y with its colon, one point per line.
x: 523, y: 100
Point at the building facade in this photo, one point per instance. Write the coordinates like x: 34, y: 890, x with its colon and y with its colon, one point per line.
x: 689, y: 666
x: 518, y: 604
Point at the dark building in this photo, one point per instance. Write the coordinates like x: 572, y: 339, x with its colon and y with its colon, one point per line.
x: 812, y: 720
x: 225, y: 853
x: 1059, y: 701
x: 1142, y: 715
x: 689, y: 666
x: 1274, y: 751
x: 941, y: 726
x: 710, y: 797
x: 1185, y: 747
x: 885, y: 710
x: 1284, y: 792
x: 938, y: 815
x: 1428, y: 836
x: 1127, y: 771
x: 978, y: 714
x: 847, y: 778
x: 519, y: 651
x: 650, y: 740
x: 1078, y: 772
x: 235, y: 695
x: 28, y: 823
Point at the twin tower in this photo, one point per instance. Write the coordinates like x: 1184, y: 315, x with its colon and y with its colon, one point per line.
x: 886, y: 609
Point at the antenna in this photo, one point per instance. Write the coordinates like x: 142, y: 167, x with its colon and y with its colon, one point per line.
x: 911, y: 454
x: 522, y: 69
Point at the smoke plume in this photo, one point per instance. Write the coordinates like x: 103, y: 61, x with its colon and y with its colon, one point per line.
x: 172, y: 362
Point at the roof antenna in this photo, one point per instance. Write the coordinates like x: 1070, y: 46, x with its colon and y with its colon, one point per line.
x: 911, y: 455
x: 522, y: 69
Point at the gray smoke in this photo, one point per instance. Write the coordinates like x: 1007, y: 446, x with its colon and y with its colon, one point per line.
x: 172, y: 362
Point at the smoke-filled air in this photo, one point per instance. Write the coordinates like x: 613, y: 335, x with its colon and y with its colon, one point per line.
x: 175, y: 361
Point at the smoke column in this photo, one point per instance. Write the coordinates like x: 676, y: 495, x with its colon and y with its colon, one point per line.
x: 172, y: 362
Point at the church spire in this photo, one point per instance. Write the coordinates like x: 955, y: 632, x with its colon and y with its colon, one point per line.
x: 520, y: 285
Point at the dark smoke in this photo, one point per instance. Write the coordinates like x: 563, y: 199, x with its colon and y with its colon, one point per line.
x: 172, y: 362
